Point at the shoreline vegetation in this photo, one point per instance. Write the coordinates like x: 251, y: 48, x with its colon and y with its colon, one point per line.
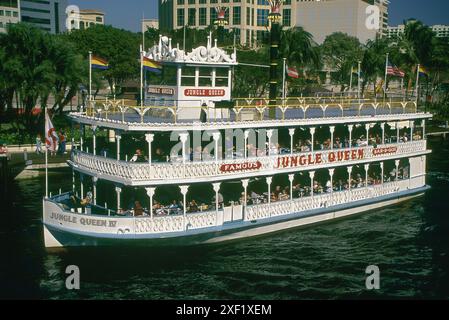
x: 40, y: 70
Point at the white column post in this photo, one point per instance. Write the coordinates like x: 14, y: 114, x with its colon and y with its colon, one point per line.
x: 269, y: 181
x: 149, y: 137
x: 349, y: 177
x: 397, y: 162
x: 312, y: 133
x: 150, y: 194
x: 382, y: 126
x: 82, y: 185
x: 367, y: 133
x: 382, y: 173
x: 94, y: 138
x: 118, y: 190
x: 216, y: 137
x: 245, y: 183
x: 366, y: 174
x: 350, y: 128
x: 73, y: 181
x: 312, y: 176
x: 117, y: 139
x: 94, y: 184
x: 216, y: 187
x: 412, y: 124
x: 332, y: 130
x: 183, y: 137
x: 331, y: 174
x: 81, y: 136
x: 246, y: 135
x: 269, y: 135
x: 291, y: 132
x: 397, y: 132
x: 423, y: 124
x: 184, y: 190
x: 291, y: 178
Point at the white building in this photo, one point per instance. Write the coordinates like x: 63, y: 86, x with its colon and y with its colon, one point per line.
x: 322, y: 18
x: 150, y: 23
x: 441, y: 31
x: 9, y: 13
x: 48, y: 15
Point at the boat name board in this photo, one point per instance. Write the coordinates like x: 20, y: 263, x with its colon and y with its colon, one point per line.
x: 204, y: 92
x: 382, y: 151
x: 235, y: 167
x: 163, y: 91
x: 319, y: 158
x: 58, y: 217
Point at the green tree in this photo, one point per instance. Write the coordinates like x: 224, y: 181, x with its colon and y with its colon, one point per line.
x: 340, y: 52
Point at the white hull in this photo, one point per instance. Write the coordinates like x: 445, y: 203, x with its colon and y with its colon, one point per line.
x: 57, y: 236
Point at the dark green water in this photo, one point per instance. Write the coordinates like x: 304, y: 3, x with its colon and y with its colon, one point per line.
x: 409, y: 243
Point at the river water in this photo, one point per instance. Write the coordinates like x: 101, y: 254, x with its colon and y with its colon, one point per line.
x: 408, y: 242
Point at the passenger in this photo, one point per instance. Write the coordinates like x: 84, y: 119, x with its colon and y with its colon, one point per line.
x: 139, y: 157
x: 138, y: 209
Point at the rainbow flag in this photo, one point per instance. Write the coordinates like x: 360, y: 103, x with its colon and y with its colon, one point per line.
x: 99, y: 63
x: 151, y: 65
x: 423, y: 71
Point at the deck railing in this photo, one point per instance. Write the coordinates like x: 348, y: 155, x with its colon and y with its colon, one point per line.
x: 142, y: 172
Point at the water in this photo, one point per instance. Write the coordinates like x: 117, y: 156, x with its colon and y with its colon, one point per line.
x: 409, y: 242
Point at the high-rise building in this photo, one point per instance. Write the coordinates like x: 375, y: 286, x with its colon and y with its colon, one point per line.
x: 9, y: 13
x: 353, y: 17
x: 249, y: 18
x: 48, y: 15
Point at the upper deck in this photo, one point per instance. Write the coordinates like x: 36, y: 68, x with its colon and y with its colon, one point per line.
x: 248, y: 113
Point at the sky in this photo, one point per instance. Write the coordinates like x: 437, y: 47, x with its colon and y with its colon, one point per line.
x: 127, y: 14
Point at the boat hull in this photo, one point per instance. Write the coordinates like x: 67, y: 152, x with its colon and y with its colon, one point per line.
x: 55, y: 236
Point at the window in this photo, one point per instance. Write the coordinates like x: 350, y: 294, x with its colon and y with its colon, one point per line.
x: 191, y: 2
x: 99, y: 19
x: 1, y: 24
x: 15, y: 14
x: 180, y: 2
x: 248, y: 16
x: 287, y: 17
x: 192, y: 16
x: 203, y: 17
x: 224, y: 1
x: 236, y: 16
x: 8, y: 13
x: 262, y: 17
x: 180, y: 18
x: 262, y: 2
x: 213, y: 15
x: 2, y: 13
x: 203, y: 1
x: 213, y: 1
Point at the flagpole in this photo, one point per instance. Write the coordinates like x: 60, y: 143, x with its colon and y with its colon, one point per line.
x: 350, y: 80
x: 283, y: 83
x: 46, y: 153
x: 417, y: 83
x: 141, y: 76
x: 386, y: 74
x: 90, y: 75
x: 358, y: 79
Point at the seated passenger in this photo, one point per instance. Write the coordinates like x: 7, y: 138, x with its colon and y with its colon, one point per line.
x: 138, y: 209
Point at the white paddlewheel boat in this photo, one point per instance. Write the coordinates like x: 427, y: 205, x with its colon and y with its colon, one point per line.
x: 186, y: 168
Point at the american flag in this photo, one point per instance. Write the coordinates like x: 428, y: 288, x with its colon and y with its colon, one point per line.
x: 392, y: 70
x: 292, y: 72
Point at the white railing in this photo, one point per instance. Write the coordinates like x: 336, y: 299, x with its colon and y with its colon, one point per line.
x: 195, y: 221
x: 141, y: 172
x: 320, y: 201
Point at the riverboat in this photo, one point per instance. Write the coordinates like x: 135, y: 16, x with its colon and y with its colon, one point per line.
x: 193, y: 166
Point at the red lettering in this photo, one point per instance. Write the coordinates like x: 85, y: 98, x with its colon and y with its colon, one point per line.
x: 331, y: 156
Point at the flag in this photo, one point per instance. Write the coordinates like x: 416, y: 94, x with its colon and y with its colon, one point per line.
x: 292, y: 72
x: 354, y: 70
x: 51, y: 137
x: 99, y: 63
x: 423, y: 71
x: 151, y: 65
x: 392, y: 70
